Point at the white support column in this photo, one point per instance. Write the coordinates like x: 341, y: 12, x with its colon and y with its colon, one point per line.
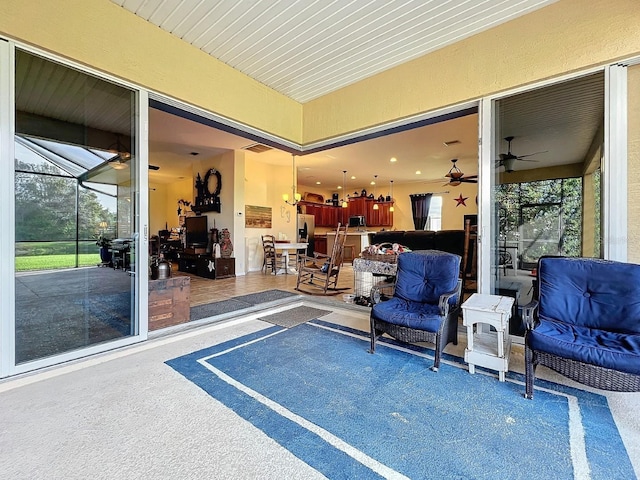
x: 142, y: 259
x: 614, y: 164
x: 7, y: 212
x: 485, y: 199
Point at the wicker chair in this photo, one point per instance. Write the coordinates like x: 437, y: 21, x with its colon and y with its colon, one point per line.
x: 585, y: 323
x: 425, y: 304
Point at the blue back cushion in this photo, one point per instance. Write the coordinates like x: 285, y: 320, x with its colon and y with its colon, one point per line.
x: 590, y: 293
x: 424, y: 275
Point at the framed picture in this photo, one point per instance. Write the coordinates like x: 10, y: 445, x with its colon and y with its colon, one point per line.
x: 257, y: 217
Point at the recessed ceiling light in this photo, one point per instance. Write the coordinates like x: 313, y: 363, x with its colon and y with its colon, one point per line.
x: 353, y: 177
x: 194, y: 153
x: 317, y: 183
x: 372, y: 182
x: 339, y: 187
x: 418, y: 172
x: 393, y: 159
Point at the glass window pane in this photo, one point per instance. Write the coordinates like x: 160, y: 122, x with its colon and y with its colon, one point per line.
x: 75, y: 179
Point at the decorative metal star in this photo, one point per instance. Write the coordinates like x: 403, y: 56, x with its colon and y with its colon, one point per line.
x: 461, y: 201
x: 211, y: 266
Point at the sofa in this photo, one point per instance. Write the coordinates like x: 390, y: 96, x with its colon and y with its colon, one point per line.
x: 585, y: 323
x: 451, y: 241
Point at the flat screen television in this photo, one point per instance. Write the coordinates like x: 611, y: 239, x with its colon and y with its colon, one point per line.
x: 197, y: 231
x: 357, y: 221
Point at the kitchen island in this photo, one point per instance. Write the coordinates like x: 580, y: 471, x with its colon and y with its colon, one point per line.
x: 358, y: 241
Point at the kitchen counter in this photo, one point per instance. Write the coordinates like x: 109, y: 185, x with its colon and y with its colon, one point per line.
x: 357, y: 240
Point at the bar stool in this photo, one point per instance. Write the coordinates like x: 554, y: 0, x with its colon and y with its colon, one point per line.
x: 348, y: 253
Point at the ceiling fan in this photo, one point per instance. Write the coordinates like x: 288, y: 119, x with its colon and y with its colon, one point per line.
x: 507, y: 160
x: 456, y: 177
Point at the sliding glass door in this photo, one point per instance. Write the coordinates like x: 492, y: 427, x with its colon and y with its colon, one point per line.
x: 543, y: 194
x: 76, y: 206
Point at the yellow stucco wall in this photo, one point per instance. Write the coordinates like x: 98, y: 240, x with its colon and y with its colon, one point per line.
x: 102, y: 35
x: 569, y: 35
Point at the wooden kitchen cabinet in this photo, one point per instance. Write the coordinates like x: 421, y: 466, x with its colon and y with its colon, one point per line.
x: 320, y: 244
x: 326, y: 215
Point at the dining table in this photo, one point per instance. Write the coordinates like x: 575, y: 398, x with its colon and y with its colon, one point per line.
x: 285, y: 248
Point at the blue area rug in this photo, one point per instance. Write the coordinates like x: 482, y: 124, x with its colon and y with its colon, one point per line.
x: 349, y: 414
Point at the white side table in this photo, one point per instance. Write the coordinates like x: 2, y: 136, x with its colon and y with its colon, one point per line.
x: 485, y: 348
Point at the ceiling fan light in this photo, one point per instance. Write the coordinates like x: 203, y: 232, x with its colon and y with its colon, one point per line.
x: 118, y: 165
x: 509, y: 164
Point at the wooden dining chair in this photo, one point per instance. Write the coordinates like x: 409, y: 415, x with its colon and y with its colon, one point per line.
x: 271, y: 257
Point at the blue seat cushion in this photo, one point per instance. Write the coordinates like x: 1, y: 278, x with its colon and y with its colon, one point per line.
x: 426, y: 274
x: 398, y: 311
x: 617, y: 351
x: 591, y: 293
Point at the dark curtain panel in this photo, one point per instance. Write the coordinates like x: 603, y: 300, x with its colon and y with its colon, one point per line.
x: 420, y: 203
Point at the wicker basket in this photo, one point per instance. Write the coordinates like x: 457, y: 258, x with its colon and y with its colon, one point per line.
x: 383, y: 257
x: 380, y: 257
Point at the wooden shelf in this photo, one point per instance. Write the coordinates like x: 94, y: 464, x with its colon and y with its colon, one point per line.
x: 205, y: 208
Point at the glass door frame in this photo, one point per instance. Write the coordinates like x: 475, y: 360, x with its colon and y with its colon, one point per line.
x: 7, y: 217
x: 614, y: 166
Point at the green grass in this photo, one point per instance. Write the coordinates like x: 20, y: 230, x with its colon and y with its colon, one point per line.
x: 51, y: 262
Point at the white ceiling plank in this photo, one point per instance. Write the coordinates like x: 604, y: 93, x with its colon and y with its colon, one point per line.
x: 308, y: 48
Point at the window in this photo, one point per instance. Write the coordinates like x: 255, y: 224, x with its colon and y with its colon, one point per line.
x: 434, y: 220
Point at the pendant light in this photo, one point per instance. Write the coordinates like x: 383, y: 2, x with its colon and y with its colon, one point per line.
x: 344, y: 190
x: 296, y: 196
x: 375, y: 200
x: 391, y: 194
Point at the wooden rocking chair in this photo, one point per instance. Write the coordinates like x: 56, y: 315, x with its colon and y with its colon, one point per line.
x: 321, y: 271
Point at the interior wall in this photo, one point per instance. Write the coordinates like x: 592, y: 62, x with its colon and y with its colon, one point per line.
x: 158, y: 208
x: 264, y: 185
x: 560, y: 38
x: 225, y: 165
x: 452, y: 212
x: 633, y: 164
x: 180, y: 189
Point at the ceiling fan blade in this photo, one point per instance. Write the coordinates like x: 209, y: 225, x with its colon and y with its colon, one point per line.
x: 526, y: 159
x: 531, y: 154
